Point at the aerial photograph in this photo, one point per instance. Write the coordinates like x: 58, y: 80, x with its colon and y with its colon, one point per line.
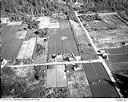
x: 64, y: 48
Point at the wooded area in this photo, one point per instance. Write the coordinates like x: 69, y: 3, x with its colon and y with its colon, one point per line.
x: 108, y: 5
x: 19, y: 9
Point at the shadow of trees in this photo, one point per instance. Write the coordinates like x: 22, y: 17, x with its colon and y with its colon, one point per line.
x: 121, y: 83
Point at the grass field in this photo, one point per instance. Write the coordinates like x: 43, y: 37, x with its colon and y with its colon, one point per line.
x: 10, y: 44
x: 99, y: 81
x: 56, y: 42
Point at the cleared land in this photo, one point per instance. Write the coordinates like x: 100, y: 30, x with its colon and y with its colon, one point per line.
x: 118, y: 58
x: 27, y: 49
x: 87, y: 52
x: 99, y: 81
x: 108, y: 33
x: 56, y: 77
x: 60, y: 41
x: 47, y: 22
x: 10, y: 44
x: 117, y: 51
x: 92, y: 80
x: 119, y: 67
x: 109, y: 38
x: 21, y: 34
x: 77, y: 83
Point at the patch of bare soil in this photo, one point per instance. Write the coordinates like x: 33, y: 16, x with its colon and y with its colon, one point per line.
x: 77, y: 83
x: 41, y: 50
x: 85, y: 49
x: 108, y: 32
x: 89, y: 18
x: 30, y: 34
x: 109, y: 38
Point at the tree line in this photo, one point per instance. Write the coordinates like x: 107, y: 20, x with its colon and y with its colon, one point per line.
x: 21, y: 8
x: 109, y: 5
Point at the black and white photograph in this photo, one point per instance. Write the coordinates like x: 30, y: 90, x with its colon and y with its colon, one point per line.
x: 64, y: 49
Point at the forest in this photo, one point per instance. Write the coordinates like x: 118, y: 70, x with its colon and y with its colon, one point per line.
x: 106, y: 5
x: 22, y: 8
x: 19, y: 9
